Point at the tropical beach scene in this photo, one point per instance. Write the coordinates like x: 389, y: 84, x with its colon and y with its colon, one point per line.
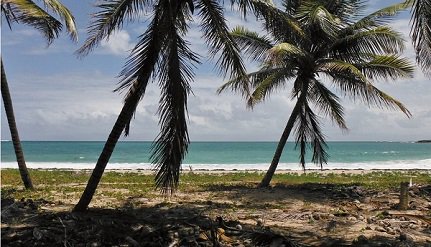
x: 214, y: 123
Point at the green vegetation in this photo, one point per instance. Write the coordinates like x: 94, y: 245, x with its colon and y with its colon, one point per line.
x: 373, y: 180
x: 59, y: 185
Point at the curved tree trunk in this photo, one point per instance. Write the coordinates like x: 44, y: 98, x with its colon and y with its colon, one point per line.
x: 289, y: 126
x: 132, y: 99
x: 122, y: 120
x: 7, y: 101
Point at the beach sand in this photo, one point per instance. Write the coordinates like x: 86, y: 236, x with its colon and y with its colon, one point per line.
x: 222, y: 171
x: 311, y: 214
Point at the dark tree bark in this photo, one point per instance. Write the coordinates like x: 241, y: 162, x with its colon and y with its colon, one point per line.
x: 7, y: 102
x: 122, y: 121
x: 280, y: 147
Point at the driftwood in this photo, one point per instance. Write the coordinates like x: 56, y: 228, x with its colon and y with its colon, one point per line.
x: 418, y: 215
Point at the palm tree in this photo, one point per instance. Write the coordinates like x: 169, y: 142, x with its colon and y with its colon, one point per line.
x: 29, y: 13
x: 314, y: 44
x: 7, y: 102
x: 421, y: 32
x: 161, y: 54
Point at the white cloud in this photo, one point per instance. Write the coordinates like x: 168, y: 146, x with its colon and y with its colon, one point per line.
x: 83, y: 109
x: 80, y: 105
x: 118, y: 44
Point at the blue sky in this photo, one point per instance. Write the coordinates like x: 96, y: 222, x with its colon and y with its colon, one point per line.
x: 60, y: 97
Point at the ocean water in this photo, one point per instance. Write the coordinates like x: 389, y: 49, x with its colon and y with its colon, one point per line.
x: 222, y: 155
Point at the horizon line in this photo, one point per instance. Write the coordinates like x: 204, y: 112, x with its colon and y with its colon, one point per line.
x: 245, y: 141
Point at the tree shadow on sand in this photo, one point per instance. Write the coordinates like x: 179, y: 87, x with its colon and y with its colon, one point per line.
x: 31, y: 223
x: 160, y: 225
x: 204, y: 222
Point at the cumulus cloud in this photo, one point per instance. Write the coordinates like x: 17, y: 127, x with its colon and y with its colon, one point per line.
x: 79, y: 104
x: 118, y: 44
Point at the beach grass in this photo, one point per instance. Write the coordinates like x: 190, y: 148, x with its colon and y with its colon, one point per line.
x: 56, y: 185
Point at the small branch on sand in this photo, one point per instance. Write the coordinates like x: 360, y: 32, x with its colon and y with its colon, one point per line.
x: 65, y: 232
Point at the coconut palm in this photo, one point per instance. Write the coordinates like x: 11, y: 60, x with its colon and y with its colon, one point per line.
x: 162, y: 54
x: 29, y: 13
x: 314, y: 44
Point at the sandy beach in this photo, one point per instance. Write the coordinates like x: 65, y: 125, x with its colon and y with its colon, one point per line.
x: 222, y: 171
x: 319, y: 208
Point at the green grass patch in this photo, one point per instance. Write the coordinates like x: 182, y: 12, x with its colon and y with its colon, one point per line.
x: 372, y: 180
x: 52, y: 183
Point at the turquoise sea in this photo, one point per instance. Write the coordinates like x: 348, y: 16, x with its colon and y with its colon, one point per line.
x: 221, y: 155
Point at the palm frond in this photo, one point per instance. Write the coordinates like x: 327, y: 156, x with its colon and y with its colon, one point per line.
x: 379, y: 40
x: 307, y: 130
x: 277, y: 55
x: 255, y: 78
x: 283, y: 27
x: 340, y: 67
x: 29, y: 13
x: 267, y: 82
x: 387, y: 101
x: 356, y: 88
x: 328, y: 103
x: 248, y: 5
x: 421, y: 32
x: 143, y: 61
x: 291, y: 6
x: 109, y: 18
x: 216, y: 33
x: 65, y: 15
x: 318, y: 142
x: 380, y: 17
x: 145, y: 56
x: 301, y: 139
x: 301, y: 130
x: 345, y: 10
x: 7, y: 12
x: 385, y: 67
x: 251, y: 43
x: 244, y: 5
x: 312, y: 15
x: 172, y: 143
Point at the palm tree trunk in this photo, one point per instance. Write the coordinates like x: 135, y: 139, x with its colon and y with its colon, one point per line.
x: 289, y: 126
x: 122, y: 120
x: 7, y: 102
x: 135, y: 93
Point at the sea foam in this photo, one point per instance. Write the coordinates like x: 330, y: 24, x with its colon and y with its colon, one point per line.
x: 386, y: 165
